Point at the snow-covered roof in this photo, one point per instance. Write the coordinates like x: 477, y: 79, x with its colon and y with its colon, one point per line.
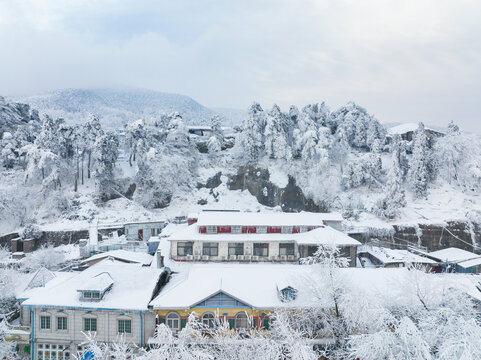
x: 389, y: 256
x: 160, y: 221
x: 221, y: 218
x: 25, y: 290
x: 324, y: 235
x: 469, y: 263
x: 99, y: 282
x: 133, y: 287
x: 123, y: 255
x: 453, y: 254
x: 41, y: 278
x: 321, y: 235
x: 255, y: 285
x: 405, y: 128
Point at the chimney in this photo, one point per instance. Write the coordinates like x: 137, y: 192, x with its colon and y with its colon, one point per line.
x: 160, y: 259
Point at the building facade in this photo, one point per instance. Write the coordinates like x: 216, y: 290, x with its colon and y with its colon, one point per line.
x: 256, y: 237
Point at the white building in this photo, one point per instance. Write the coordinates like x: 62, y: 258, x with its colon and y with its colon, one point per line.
x: 237, y: 236
x: 109, y: 299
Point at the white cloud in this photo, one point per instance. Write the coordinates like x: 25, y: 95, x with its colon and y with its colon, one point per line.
x: 403, y: 60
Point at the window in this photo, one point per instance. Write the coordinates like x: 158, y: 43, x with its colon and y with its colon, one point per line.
x: 152, y: 232
x: 173, y: 321
x: 62, y: 323
x: 208, y: 320
x: 236, y: 248
x: 286, y: 249
x: 211, y: 249
x: 91, y: 295
x: 90, y: 324
x: 302, y: 229
x: 44, y: 322
x: 241, y: 320
x: 261, y: 249
x: 261, y: 230
x: 287, y: 230
x: 53, y: 352
x: 288, y: 294
x: 184, y: 248
x: 125, y: 326
x: 211, y: 229
x: 311, y: 250
x: 236, y: 229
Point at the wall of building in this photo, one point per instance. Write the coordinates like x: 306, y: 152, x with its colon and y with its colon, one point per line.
x: 107, y: 326
x: 223, y: 251
x: 132, y: 230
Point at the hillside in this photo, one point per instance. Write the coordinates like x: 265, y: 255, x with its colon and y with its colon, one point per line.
x: 116, y: 106
x: 64, y: 176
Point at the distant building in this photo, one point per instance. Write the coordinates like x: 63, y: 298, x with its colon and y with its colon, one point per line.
x: 406, y: 131
x: 372, y: 256
x: 239, y: 236
x: 142, y: 231
x: 457, y: 260
x: 130, y: 257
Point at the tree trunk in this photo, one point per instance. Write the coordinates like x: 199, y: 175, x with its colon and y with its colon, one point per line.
x: 130, y: 160
x: 82, y: 167
x: 88, y: 164
x: 77, y: 173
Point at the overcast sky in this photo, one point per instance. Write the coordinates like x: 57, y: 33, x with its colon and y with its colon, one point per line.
x: 404, y: 61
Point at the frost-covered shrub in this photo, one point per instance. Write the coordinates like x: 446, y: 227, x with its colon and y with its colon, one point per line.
x: 31, y: 231
x: 47, y: 256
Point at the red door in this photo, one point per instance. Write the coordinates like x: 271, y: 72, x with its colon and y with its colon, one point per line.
x: 141, y: 235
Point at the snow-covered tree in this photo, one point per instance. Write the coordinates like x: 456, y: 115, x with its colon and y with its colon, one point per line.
x: 252, y: 138
x: 276, y: 145
x: 393, y: 191
x: 216, y: 126
x: 418, y: 176
x: 458, y: 157
x: 375, y: 162
x: 359, y: 127
x: 106, y: 152
x: 91, y: 133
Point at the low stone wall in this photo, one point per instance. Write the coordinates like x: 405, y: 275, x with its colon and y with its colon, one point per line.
x: 433, y: 237
x: 54, y: 238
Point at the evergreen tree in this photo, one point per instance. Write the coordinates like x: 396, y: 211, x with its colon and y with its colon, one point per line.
x: 252, y: 134
x: 394, y: 196
x: 375, y: 159
x: 216, y: 141
x: 92, y: 132
x: 275, y: 137
x: 418, y: 176
x: 106, y: 152
x: 216, y: 126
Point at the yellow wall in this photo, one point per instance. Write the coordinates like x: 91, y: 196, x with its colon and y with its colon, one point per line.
x: 231, y: 312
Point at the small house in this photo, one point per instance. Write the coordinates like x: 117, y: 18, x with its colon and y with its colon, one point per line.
x: 142, y: 231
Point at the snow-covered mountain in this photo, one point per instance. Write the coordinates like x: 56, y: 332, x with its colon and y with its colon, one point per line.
x: 14, y: 114
x: 115, y: 107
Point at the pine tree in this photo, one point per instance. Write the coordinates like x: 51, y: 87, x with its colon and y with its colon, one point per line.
x: 394, y: 196
x: 375, y: 159
x: 252, y: 134
x: 275, y: 137
x: 216, y: 126
x: 106, y: 152
x: 417, y: 168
